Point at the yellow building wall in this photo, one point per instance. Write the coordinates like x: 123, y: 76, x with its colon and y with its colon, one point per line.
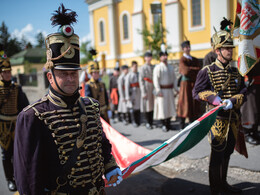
x: 128, y: 6
x: 195, y: 37
x: 97, y: 15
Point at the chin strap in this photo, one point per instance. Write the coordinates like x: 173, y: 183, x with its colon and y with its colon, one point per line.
x: 54, y: 77
x: 223, y: 56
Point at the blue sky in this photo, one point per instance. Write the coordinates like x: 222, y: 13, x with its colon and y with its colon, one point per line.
x: 29, y: 17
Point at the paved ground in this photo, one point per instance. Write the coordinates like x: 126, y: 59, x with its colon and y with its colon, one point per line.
x: 185, y: 174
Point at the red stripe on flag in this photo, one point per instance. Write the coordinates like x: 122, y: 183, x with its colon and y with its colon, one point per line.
x: 209, y: 113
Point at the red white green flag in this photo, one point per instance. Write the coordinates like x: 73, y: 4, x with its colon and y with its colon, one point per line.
x: 134, y: 158
x: 247, y: 29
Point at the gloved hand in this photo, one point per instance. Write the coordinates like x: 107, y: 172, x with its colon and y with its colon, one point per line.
x: 217, y: 101
x: 228, y: 103
x: 116, y: 171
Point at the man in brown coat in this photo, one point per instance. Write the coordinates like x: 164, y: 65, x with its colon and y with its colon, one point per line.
x: 189, y: 68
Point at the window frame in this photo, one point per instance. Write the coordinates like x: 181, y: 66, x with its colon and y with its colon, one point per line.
x: 202, y: 15
x: 102, y: 20
x: 123, y: 40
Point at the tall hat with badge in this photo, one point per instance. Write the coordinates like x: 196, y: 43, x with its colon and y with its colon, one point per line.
x: 4, y: 62
x: 93, y: 66
x: 63, y: 46
x: 223, y: 37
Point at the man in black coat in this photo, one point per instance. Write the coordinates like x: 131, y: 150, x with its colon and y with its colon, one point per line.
x: 60, y: 147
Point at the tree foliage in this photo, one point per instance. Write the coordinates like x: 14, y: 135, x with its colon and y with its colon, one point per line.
x: 153, y: 38
x: 40, y: 40
x: 10, y: 45
x: 85, y: 50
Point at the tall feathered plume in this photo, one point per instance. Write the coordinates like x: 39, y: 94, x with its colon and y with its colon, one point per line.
x: 60, y: 17
x: 225, y: 23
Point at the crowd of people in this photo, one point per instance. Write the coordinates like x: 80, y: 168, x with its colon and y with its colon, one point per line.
x: 59, y: 146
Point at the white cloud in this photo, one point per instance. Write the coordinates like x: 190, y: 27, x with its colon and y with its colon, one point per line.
x: 28, y: 33
x: 85, y: 38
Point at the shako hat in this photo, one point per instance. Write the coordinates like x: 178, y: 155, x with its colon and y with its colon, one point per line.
x: 4, y: 62
x: 93, y: 66
x: 63, y: 46
x: 223, y: 37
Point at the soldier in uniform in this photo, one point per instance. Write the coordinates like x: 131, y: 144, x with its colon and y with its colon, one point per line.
x: 132, y: 94
x: 221, y: 83
x: 114, y: 96
x: 146, y: 87
x: 189, y: 68
x: 12, y: 101
x: 164, y: 81
x: 60, y: 147
x: 96, y: 89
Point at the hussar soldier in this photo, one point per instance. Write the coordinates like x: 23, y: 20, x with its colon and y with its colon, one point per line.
x: 189, y: 68
x: 132, y: 94
x: 122, y: 106
x: 164, y: 81
x: 12, y: 101
x: 219, y: 83
x: 146, y: 87
x: 60, y: 147
x: 96, y: 89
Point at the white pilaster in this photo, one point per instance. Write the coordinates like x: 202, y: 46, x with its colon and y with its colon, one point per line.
x: 173, y: 25
x: 92, y: 33
x: 218, y: 10
x: 111, y: 28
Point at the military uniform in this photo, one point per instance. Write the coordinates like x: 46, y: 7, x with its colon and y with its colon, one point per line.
x: 133, y: 95
x: 146, y: 87
x: 12, y: 101
x: 47, y: 132
x: 97, y: 90
x: 224, y: 81
x: 60, y: 147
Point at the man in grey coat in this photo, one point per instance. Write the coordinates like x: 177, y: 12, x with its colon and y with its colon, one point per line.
x: 133, y: 94
x: 146, y: 87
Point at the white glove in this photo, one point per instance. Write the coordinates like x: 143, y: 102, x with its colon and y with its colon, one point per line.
x: 116, y: 171
x: 228, y: 103
x: 217, y: 101
x: 109, y: 113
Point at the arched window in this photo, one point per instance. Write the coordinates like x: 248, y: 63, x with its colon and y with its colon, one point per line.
x: 196, y: 12
x: 101, y: 31
x: 125, y: 27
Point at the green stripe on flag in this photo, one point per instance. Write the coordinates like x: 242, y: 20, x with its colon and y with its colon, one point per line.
x: 195, y: 136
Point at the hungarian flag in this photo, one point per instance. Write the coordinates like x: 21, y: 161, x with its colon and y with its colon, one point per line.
x: 133, y: 158
x: 246, y: 28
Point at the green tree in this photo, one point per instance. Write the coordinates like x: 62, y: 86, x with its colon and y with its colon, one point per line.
x: 84, y: 50
x: 153, y: 38
x: 40, y: 40
x: 10, y: 45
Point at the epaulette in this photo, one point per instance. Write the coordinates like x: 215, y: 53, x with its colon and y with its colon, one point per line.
x: 207, y: 66
x: 43, y: 99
